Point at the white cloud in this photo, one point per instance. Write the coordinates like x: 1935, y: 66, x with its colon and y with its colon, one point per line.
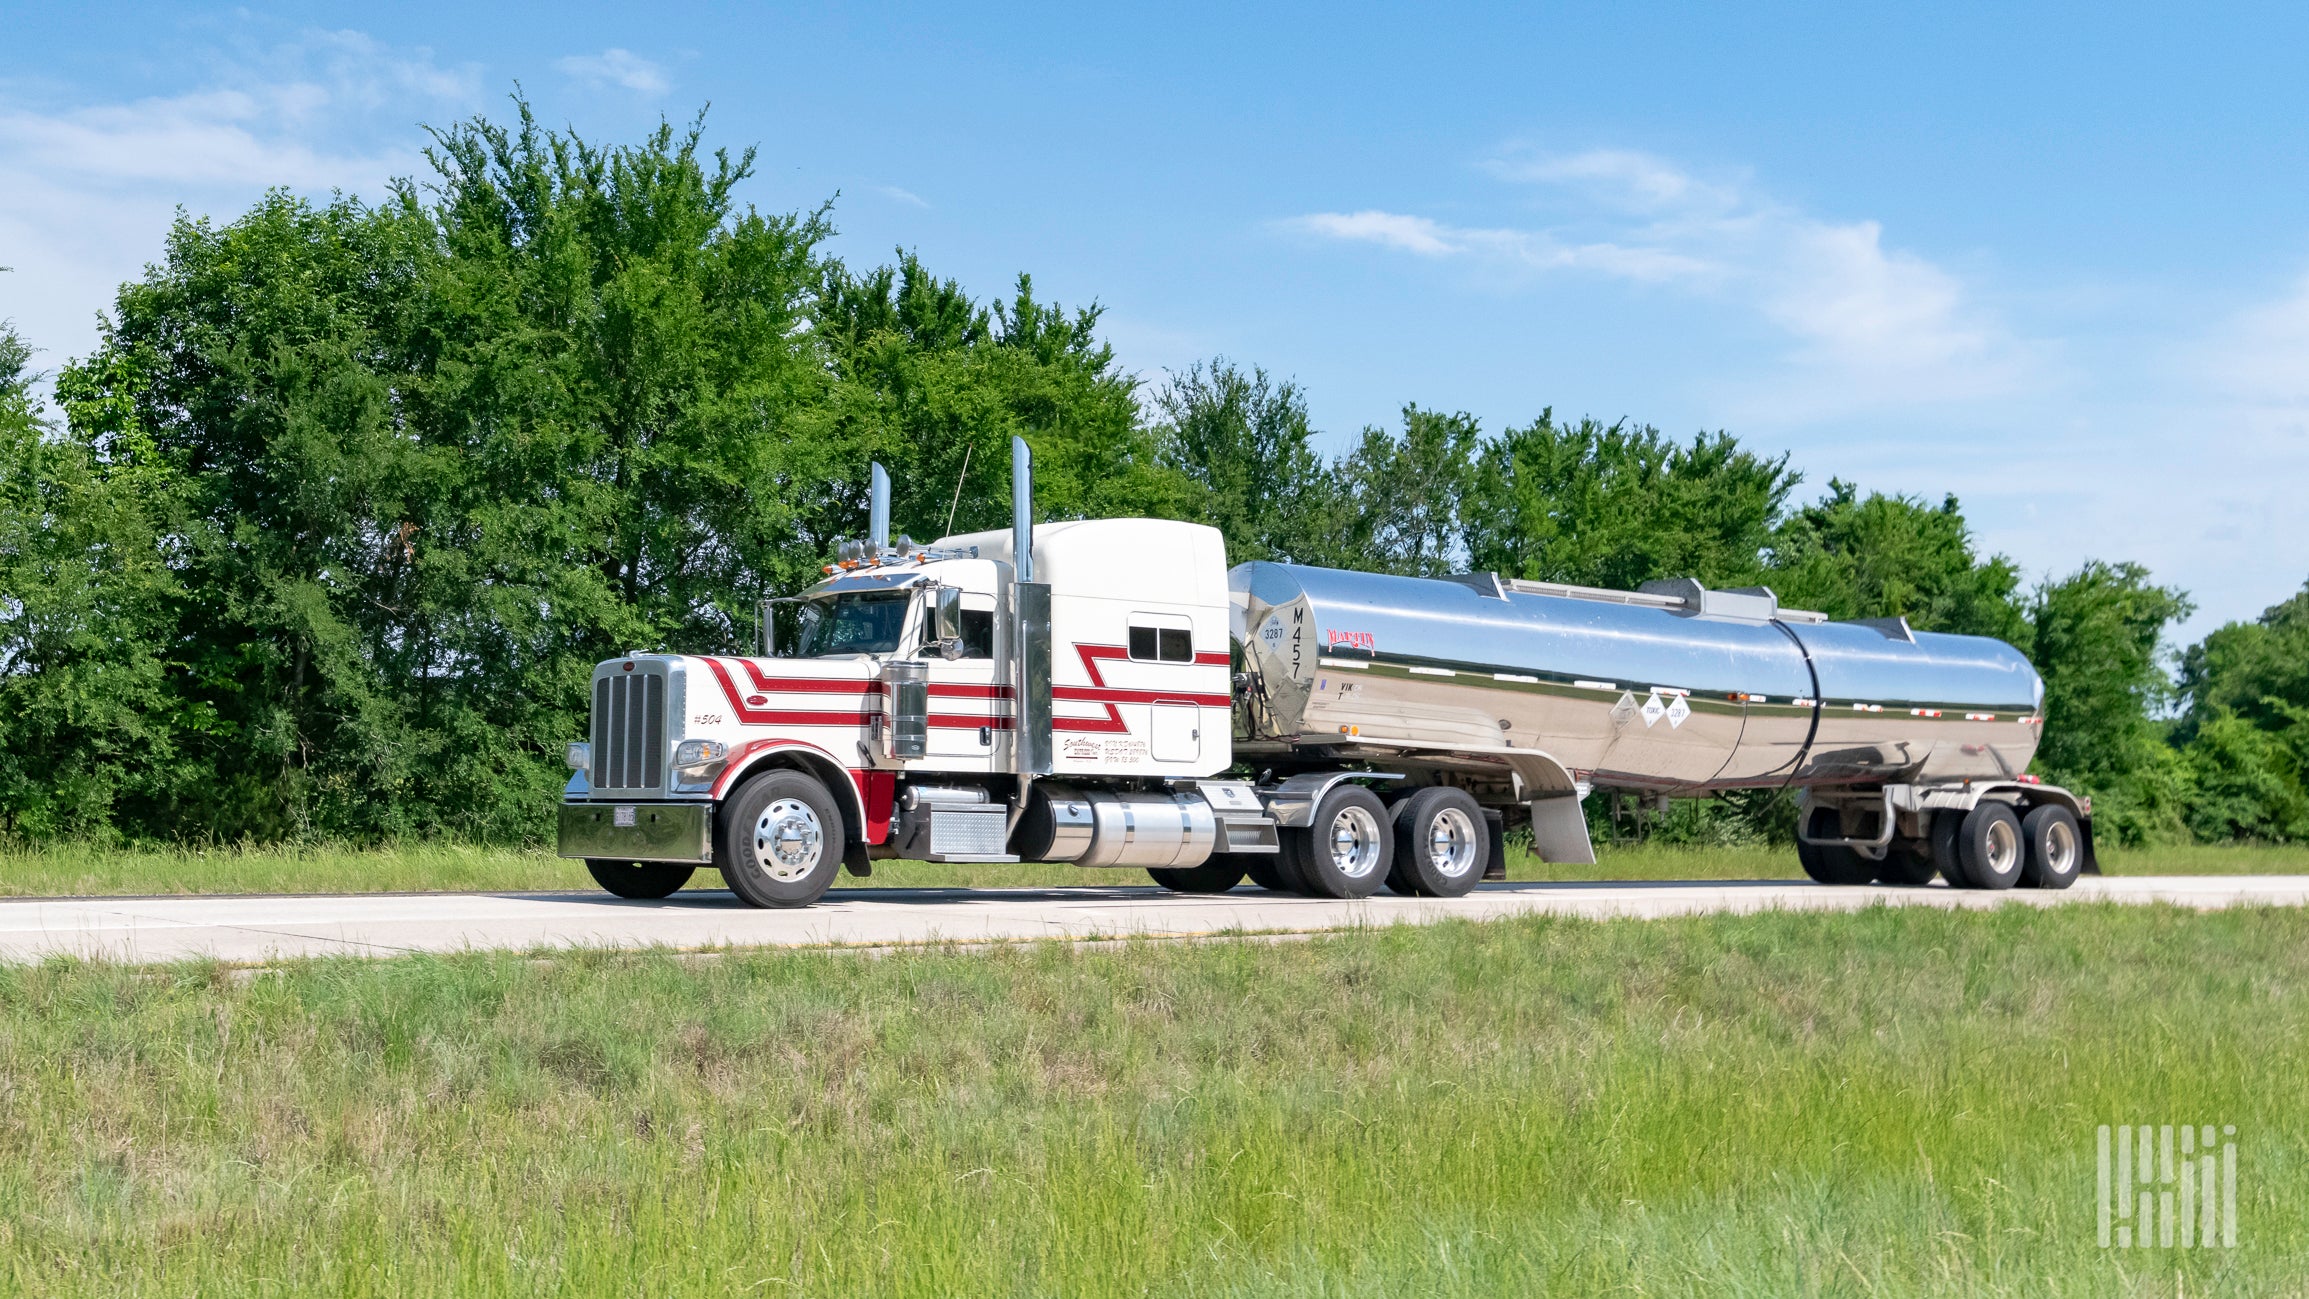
x: 897, y: 194
x: 616, y: 67
x: 87, y: 191
x: 2261, y: 358
x: 1862, y: 324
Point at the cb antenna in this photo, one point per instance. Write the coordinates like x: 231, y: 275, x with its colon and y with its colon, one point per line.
x: 956, y: 504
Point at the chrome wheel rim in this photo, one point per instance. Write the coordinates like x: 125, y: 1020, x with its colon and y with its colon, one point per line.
x: 2003, y: 847
x: 2060, y: 848
x: 1451, y: 842
x: 1355, y: 842
x: 789, y: 840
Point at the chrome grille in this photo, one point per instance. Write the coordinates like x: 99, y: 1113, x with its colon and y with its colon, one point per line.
x: 629, y: 730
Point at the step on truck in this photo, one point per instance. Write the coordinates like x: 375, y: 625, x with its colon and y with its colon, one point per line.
x: 1108, y: 693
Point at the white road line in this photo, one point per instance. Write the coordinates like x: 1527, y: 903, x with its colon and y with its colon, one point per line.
x: 249, y: 929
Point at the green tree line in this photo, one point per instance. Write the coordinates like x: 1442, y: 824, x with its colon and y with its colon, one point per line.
x: 324, y: 538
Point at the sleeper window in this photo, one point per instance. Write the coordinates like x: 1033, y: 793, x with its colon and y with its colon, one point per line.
x: 1161, y: 644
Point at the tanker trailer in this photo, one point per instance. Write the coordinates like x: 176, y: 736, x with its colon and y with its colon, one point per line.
x: 1909, y: 749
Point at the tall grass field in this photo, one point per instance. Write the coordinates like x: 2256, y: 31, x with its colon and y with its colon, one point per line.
x: 1898, y: 1102
x: 73, y: 869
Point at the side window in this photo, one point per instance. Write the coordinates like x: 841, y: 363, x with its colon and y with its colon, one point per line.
x: 1161, y: 638
x: 978, y: 633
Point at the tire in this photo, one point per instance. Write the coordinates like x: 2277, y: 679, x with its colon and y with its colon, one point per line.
x: 1266, y: 871
x: 1347, y: 851
x: 779, y: 840
x: 639, y: 879
x: 1441, y: 844
x: 1940, y: 839
x: 1829, y: 865
x: 1990, y: 845
x: 1217, y: 875
x: 1908, y: 864
x: 2055, y: 848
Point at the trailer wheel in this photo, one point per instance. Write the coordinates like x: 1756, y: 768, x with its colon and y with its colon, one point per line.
x: 1827, y: 864
x: 779, y: 840
x: 1441, y: 844
x: 1216, y: 875
x: 2055, y: 849
x: 1940, y: 838
x: 1347, y: 850
x: 1907, y: 863
x: 1991, y: 846
x: 638, y: 879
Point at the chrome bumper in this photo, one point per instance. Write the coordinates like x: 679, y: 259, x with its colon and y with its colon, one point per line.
x: 680, y: 832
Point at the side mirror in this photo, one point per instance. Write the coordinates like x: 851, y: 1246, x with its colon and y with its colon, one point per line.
x: 945, y: 638
x: 769, y: 629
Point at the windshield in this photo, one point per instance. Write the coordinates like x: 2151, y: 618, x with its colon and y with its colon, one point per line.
x: 855, y: 622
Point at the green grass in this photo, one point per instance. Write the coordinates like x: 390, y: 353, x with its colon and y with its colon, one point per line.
x: 73, y: 870
x: 1899, y: 1102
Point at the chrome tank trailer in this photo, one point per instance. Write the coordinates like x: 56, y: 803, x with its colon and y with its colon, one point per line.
x: 1670, y: 689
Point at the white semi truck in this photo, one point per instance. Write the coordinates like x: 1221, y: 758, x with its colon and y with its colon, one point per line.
x: 1106, y: 692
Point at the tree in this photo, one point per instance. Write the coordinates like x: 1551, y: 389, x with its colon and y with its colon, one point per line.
x: 2096, y: 638
x: 1404, y: 496
x: 85, y: 714
x: 2255, y: 670
x: 1618, y: 505
x: 1241, y: 440
x: 936, y: 384
x: 1894, y: 556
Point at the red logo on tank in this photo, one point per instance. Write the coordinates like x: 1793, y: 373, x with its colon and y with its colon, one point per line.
x: 1351, y: 639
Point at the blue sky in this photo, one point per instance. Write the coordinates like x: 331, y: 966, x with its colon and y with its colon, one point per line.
x: 2055, y: 261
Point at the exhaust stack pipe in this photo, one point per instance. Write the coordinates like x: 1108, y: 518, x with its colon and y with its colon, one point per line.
x: 878, y: 528
x: 1022, y: 509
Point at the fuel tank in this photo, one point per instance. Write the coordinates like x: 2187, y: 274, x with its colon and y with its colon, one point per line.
x: 1671, y: 688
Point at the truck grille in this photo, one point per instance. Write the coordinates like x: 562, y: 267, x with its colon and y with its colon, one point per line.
x: 629, y: 731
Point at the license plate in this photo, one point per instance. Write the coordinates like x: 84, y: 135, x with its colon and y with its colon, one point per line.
x: 622, y: 816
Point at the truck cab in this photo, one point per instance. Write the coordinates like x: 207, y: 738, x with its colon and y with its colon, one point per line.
x: 906, y: 705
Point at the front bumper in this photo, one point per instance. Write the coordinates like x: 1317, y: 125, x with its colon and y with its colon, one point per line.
x: 677, y: 832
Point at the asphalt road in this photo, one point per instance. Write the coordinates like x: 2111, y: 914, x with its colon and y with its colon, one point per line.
x: 257, y: 929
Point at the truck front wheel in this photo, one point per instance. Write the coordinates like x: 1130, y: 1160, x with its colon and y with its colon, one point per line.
x: 778, y: 840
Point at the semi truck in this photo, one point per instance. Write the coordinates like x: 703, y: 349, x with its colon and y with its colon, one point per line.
x: 1109, y: 693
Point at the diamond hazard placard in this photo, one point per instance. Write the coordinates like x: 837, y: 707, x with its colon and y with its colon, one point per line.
x: 1654, y: 710
x: 1678, y: 711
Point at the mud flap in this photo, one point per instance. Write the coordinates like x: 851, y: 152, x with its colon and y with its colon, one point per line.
x: 1559, y: 830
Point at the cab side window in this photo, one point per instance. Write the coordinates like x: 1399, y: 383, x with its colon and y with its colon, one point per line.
x: 978, y: 633
x: 1151, y: 644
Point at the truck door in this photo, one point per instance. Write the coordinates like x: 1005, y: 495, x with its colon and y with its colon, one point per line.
x: 965, y: 697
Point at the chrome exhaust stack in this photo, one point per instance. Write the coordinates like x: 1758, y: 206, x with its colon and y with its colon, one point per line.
x: 878, y: 516
x: 1030, y: 611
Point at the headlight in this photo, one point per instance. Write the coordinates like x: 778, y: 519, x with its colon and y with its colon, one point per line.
x: 698, y: 753
x: 580, y: 756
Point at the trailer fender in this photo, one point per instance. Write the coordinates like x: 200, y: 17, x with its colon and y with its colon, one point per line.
x: 1558, y: 819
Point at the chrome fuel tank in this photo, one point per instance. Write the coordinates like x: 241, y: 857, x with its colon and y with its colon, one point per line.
x: 1677, y: 689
